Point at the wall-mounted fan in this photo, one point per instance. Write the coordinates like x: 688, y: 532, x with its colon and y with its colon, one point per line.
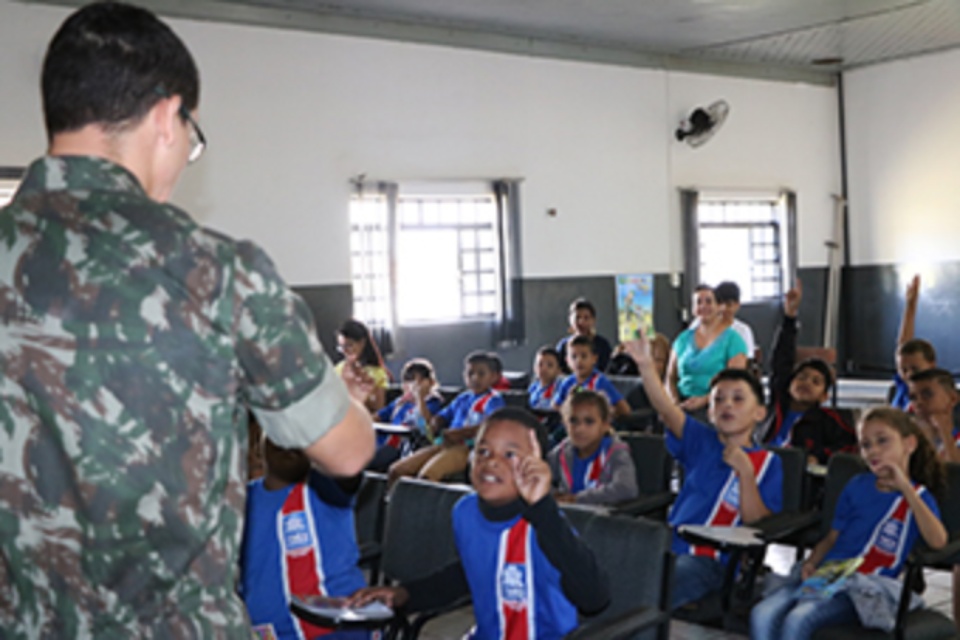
x: 703, y: 123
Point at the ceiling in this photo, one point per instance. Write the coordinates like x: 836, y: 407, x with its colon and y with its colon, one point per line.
x: 790, y: 39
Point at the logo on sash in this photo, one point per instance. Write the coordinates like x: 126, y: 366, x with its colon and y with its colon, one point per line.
x: 296, y: 533
x: 513, y: 586
x: 889, y: 538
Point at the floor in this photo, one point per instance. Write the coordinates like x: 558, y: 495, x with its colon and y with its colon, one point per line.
x: 938, y: 596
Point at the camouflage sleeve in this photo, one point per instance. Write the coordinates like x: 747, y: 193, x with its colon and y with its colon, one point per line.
x: 289, y: 382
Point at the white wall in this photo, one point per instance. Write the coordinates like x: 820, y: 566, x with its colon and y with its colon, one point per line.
x: 904, y: 158
x: 291, y: 116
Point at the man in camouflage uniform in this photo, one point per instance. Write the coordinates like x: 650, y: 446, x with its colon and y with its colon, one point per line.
x: 132, y: 342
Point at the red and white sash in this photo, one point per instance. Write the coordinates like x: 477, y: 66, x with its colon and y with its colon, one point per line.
x: 515, y: 584
x: 477, y: 409
x: 590, y: 384
x: 300, y: 558
x: 885, y: 548
x: 592, y: 475
x: 726, y: 510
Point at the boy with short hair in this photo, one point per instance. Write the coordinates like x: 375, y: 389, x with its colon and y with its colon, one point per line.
x: 455, y: 425
x: 727, y: 481
x: 582, y: 360
x: 933, y: 397
x: 797, y: 416
x: 525, y: 569
x: 913, y: 354
x: 298, y: 538
x: 582, y: 317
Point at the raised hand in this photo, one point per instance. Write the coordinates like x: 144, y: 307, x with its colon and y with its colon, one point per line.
x: 531, y: 473
x: 791, y: 300
x: 639, y: 350
x: 913, y: 290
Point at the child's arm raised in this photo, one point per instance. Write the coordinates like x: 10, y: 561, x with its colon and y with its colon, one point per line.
x: 929, y: 524
x: 909, y: 317
x: 672, y: 415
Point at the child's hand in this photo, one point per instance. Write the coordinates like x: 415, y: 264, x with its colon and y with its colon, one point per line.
x: 359, y: 383
x: 807, y: 569
x: 564, y: 498
x: 913, y: 290
x: 737, y: 459
x: 891, y: 476
x: 423, y: 388
x: 531, y: 473
x: 393, y: 597
x: 791, y: 300
x: 639, y: 350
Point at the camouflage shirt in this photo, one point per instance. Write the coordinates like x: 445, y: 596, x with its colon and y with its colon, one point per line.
x: 131, y: 342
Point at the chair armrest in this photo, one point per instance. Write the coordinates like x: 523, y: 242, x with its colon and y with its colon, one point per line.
x: 622, y: 626
x: 643, y: 504
x: 778, y: 526
x: 940, y: 558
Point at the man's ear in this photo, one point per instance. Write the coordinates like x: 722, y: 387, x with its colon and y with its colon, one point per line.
x: 761, y: 413
x: 164, y: 116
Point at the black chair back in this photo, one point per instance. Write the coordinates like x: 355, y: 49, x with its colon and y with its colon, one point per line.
x: 652, y: 460
x: 794, y: 464
x: 418, y: 533
x: 841, y: 468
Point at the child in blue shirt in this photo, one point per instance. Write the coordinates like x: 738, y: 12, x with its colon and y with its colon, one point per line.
x: 582, y: 361
x: 414, y: 409
x: 526, y: 570
x: 591, y: 465
x: 455, y: 425
x: 878, y: 518
x: 913, y: 354
x: 547, y: 378
x: 298, y: 539
x: 727, y: 481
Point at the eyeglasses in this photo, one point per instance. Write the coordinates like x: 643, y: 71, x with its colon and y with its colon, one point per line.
x: 198, y: 141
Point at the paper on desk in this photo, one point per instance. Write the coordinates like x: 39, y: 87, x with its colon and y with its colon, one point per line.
x: 738, y: 536
x: 335, y: 609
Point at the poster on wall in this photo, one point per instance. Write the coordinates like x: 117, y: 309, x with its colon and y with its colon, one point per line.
x: 634, y: 305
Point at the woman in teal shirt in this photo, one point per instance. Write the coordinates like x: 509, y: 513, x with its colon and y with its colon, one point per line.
x: 700, y: 353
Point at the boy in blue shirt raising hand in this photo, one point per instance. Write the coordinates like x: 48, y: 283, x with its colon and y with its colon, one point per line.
x: 727, y: 481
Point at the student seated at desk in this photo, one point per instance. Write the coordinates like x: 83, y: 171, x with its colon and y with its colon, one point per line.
x: 582, y: 361
x: 727, y: 481
x: 879, y: 516
x: 526, y: 570
x: 546, y: 378
x: 298, y: 539
x: 797, y: 416
x: 414, y: 409
x: 592, y: 465
x: 933, y: 397
x: 455, y: 425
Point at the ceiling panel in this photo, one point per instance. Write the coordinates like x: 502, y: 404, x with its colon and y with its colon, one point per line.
x: 769, y: 38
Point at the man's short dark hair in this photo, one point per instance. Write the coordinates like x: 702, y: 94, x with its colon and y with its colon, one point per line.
x: 918, y: 345
x: 745, y: 376
x: 727, y: 291
x: 109, y: 64
x: 524, y: 418
x: 582, y: 304
x: 820, y: 366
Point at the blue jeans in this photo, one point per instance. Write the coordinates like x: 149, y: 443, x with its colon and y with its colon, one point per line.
x: 694, y: 577
x: 782, y: 615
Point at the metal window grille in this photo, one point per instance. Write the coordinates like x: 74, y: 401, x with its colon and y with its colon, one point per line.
x: 370, y: 259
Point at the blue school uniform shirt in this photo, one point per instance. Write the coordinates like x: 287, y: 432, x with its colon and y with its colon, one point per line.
x: 860, y: 509
x: 406, y: 413
x: 901, y: 393
x: 469, y: 409
x: 541, y: 396
x: 696, y: 367
x: 782, y: 439
x: 478, y: 543
x: 596, y: 382
x: 705, y: 483
x: 262, y: 567
x: 580, y: 465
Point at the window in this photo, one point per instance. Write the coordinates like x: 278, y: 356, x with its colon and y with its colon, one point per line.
x: 434, y: 252
x: 9, y: 181
x: 748, y: 239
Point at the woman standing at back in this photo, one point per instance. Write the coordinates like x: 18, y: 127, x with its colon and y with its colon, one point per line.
x: 701, y: 352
